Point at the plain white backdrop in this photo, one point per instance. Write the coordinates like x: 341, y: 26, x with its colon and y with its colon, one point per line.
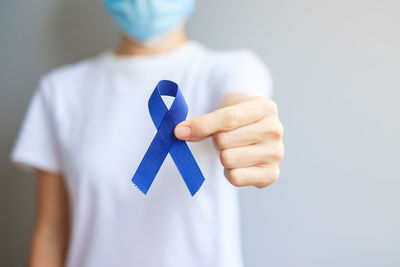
x: 336, y: 68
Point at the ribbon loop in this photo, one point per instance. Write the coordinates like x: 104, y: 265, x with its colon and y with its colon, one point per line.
x: 165, y: 142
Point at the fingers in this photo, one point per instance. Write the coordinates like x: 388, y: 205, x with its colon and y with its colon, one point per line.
x: 248, y: 135
x: 259, y: 176
x: 226, y: 119
x: 259, y: 132
x: 246, y: 156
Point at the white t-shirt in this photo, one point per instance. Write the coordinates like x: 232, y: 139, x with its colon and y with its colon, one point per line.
x: 90, y: 122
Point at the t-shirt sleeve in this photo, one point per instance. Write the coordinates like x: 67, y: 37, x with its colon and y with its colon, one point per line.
x: 242, y: 72
x: 36, y: 144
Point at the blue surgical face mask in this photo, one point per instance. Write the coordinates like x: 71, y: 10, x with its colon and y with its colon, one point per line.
x: 148, y: 20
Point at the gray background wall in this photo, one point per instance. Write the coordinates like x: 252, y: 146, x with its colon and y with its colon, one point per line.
x: 336, y: 70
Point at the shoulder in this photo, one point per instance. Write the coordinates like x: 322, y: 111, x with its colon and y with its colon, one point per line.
x: 228, y: 56
x: 231, y: 58
x: 66, y: 84
x: 243, y: 62
x: 241, y: 70
x: 235, y: 55
x: 71, y: 73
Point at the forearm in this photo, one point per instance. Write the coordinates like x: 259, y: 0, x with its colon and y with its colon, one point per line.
x: 48, y: 249
x: 50, y: 238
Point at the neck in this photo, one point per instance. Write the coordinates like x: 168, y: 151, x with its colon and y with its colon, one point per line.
x: 128, y: 46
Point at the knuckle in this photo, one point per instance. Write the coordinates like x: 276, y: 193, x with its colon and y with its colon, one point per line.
x: 227, y: 158
x: 262, y: 184
x: 220, y: 140
x: 234, y: 178
x: 264, y: 129
x: 262, y: 103
x: 270, y: 178
x: 273, y: 106
x: 270, y: 106
x: 276, y: 129
x: 278, y: 152
x: 274, y: 175
x: 279, y: 129
x: 201, y: 126
x: 272, y: 129
x: 230, y: 119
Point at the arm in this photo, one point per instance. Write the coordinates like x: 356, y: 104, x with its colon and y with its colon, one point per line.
x: 248, y: 133
x: 50, y: 237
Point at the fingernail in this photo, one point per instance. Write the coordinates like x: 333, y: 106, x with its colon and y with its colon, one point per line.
x: 183, y: 132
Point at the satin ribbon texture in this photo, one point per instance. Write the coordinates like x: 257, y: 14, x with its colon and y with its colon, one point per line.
x: 165, y: 142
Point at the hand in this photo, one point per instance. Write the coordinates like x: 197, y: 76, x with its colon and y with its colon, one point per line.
x: 248, y: 134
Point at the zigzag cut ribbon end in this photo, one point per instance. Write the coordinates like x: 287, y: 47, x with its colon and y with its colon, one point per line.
x: 165, y: 142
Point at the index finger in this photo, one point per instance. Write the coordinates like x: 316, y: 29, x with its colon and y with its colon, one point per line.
x: 223, y: 119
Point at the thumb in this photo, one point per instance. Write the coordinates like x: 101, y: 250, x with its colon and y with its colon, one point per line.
x: 221, y: 120
x: 183, y: 131
x: 198, y: 128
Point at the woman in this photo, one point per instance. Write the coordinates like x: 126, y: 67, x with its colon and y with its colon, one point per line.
x: 88, y: 127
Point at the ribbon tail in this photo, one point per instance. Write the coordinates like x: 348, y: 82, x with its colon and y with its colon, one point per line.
x: 151, y: 163
x: 187, y: 166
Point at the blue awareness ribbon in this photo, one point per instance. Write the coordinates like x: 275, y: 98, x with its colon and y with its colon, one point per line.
x: 165, y: 141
